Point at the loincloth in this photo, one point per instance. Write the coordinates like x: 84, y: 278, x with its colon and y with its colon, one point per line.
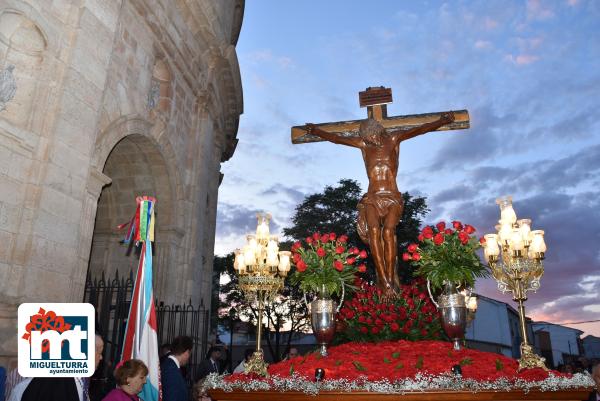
x: 381, y: 201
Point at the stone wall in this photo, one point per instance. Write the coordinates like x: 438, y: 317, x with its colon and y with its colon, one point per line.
x: 115, y: 98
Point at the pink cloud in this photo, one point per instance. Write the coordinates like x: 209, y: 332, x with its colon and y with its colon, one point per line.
x: 489, y: 23
x: 522, y: 59
x: 537, y: 11
x: 483, y: 44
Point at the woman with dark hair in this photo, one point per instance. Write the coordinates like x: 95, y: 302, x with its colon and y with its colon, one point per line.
x: 130, y: 377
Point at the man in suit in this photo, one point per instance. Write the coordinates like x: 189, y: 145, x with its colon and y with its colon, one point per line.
x: 174, y: 387
x: 595, y: 395
x: 210, y: 364
x: 59, y: 388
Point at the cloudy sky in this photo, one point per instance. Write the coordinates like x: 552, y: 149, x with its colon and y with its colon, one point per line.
x: 527, y: 71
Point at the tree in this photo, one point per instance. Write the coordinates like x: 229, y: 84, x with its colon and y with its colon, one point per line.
x: 333, y: 210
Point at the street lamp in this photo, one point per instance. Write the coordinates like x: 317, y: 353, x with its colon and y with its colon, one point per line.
x: 261, y: 268
x: 515, y: 255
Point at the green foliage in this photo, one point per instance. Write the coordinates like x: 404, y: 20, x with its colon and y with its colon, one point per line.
x: 321, y: 265
x: 447, y: 255
x: 358, y: 366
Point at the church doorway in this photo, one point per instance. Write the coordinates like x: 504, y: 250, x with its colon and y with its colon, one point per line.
x: 136, y: 167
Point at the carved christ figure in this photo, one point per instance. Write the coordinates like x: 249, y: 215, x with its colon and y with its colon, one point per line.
x: 380, y: 209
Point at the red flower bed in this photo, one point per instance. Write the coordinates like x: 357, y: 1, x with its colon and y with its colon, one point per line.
x: 397, y: 360
x: 371, y: 318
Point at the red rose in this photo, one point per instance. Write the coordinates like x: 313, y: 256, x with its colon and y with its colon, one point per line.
x: 394, y: 327
x: 363, y: 254
x: 406, y: 257
x: 428, y: 235
x: 339, y: 266
x: 448, y: 231
x: 469, y: 229
x: 482, y: 241
x: 343, y: 239
x: 457, y: 225
x: 296, y: 245
x: 362, y: 319
x: 416, y: 256
x: 339, y: 250
x: 301, y: 266
x: 374, y: 330
x: 463, y: 237
x: 422, y: 296
x: 350, y: 261
x: 421, y: 237
x: 321, y: 252
x: 364, y: 330
x: 441, y: 226
x: 325, y: 238
x: 438, y: 239
x: 427, y: 230
x: 424, y: 332
x: 362, y: 268
x: 355, y: 251
x: 332, y: 236
x: 378, y: 322
x: 316, y: 236
x: 309, y: 240
x: 296, y: 258
x: 412, y: 248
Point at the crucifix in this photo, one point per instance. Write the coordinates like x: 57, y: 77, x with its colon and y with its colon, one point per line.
x: 378, y: 137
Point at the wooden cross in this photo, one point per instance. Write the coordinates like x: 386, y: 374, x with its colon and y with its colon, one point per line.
x: 376, y: 100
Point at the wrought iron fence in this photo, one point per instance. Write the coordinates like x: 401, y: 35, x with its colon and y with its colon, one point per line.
x: 111, y: 298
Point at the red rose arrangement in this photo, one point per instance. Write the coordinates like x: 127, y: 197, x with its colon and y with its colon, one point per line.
x: 325, y: 263
x: 368, y: 317
x: 398, y: 360
x: 447, y: 254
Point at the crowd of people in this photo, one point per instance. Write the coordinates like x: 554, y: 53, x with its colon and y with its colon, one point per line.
x: 129, y: 377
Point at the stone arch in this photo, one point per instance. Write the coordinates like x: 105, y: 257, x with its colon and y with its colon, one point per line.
x: 22, y: 45
x: 136, y: 159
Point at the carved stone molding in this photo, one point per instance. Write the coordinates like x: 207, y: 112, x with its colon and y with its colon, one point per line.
x: 8, y: 86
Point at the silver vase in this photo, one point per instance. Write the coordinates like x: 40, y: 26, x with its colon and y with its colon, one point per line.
x: 453, y: 313
x: 322, y: 317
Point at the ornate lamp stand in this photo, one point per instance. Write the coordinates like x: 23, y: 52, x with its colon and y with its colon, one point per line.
x: 261, y: 269
x: 515, y: 256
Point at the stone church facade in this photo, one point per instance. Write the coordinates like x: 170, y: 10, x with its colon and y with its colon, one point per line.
x: 113, y: 99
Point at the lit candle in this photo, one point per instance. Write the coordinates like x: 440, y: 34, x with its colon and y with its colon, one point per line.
x: 507, y: 213
x: 491, y: 245
x: 516, y: 241
x: 525, y: 228
x: 537, y: 241
x: 284, y: 262
x: 249, y: 255
x: 239, y: 262
x: 505, y: 233
x: 472, y: 304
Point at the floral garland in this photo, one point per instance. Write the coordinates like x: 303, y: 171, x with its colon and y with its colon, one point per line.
x: 419, y: 383
x: 399, y: 367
